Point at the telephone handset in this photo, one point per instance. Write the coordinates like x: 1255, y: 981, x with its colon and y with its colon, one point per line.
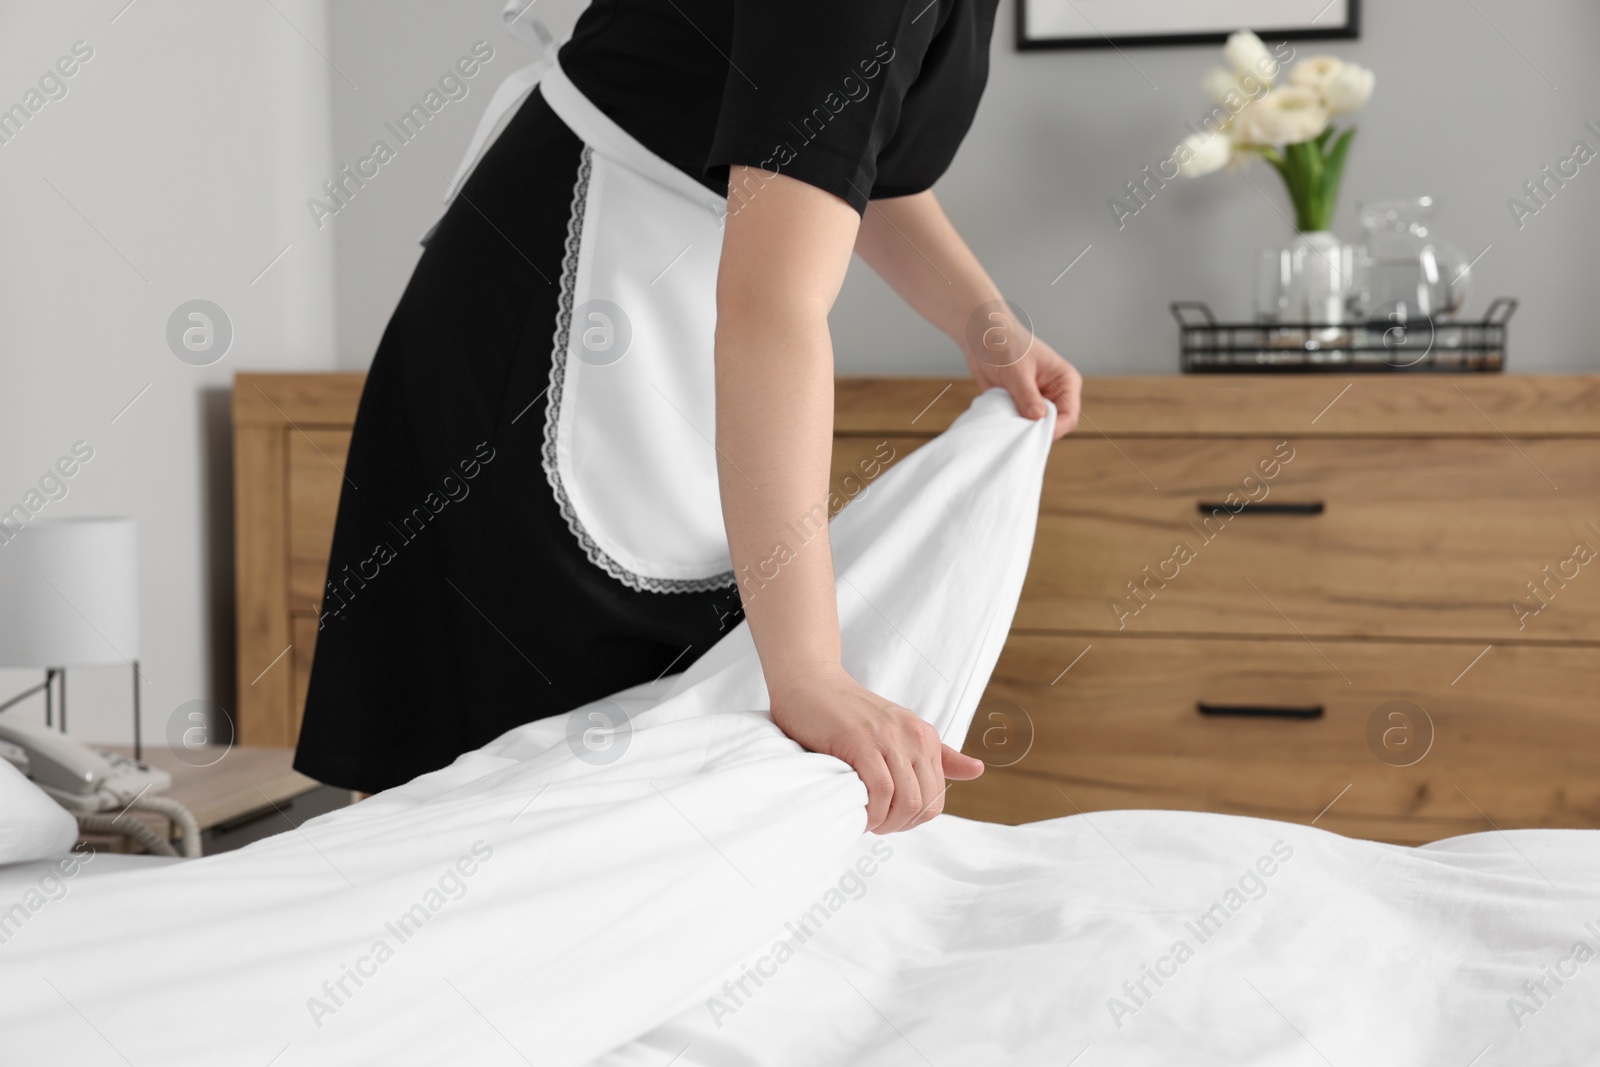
x: 79, y: 778
x: 89, y: 782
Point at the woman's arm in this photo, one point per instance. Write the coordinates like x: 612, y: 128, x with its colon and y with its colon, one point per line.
x: 784, y: 253
x: 913, y: 246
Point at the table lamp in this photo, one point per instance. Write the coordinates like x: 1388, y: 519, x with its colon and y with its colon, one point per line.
x: 69, y: 598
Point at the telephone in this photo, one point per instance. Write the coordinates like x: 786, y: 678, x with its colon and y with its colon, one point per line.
x: 78, y: 777
x: 88, y: 782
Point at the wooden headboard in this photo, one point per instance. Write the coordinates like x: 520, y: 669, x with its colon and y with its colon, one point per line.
x: 1244, y: 674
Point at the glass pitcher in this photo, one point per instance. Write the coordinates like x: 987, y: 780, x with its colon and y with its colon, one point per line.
x: 1405, y: 271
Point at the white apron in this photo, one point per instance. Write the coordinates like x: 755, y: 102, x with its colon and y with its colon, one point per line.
x: 630, y: 424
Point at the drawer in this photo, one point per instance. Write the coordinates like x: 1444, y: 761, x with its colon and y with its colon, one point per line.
x: 1511, y: 740
x: 1416, y: 538
x: 1399, y: 537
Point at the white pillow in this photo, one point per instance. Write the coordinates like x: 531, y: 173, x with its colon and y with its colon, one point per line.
x: 32, y: 826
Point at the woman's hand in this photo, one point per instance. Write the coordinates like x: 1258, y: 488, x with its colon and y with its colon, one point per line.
x: 1005, y: 354
x: 898, y: 756
x: 914, y: 247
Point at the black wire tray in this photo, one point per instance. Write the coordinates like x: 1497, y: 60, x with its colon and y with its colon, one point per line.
x: 1207, y: 346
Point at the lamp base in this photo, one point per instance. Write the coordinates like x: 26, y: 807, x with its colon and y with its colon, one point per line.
x: 48, y: 688
x: 54, y: 688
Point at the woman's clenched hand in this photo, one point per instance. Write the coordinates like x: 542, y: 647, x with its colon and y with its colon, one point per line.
x: 898, y: 756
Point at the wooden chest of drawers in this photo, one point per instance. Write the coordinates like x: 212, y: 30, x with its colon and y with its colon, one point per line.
x: 1391, y: 626
x: 1368, y: 604
x: 290, y: 436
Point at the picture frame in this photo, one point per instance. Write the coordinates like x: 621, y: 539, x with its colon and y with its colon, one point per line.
x: 1062, y: 24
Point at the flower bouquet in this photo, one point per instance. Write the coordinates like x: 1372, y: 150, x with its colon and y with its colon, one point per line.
x: 1290, y: 126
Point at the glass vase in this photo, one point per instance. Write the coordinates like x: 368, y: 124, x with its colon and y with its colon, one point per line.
x: 1311, y: 281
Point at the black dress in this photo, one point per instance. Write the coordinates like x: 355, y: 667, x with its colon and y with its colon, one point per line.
x: 459, y: 603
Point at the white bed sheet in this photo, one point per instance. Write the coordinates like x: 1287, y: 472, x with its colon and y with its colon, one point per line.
x: 567, y: 910
x: 17, y: 878
x: 976, y: 944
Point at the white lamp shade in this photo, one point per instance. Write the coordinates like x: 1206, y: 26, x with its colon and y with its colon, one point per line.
x: 69, y: 593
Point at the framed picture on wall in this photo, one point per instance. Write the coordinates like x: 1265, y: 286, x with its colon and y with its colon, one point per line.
x: 1135, y: 23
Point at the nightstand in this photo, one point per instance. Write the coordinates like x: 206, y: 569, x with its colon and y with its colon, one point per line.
x: 249, y: 793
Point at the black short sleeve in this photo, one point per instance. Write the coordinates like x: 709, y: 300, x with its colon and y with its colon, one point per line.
x: 816, y: 88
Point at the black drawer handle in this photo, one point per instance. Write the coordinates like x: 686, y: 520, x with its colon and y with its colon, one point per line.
x: 1259, y: 711
x: 1309, y: 507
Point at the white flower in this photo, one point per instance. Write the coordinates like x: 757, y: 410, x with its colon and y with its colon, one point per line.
x: 1219, y: 83
x: 1286, y: 115
x: 1247, y: 55
x: 1231, y: 90
x: 1349, y: 89
x: 1315, y: 72
x: 1202, y: 153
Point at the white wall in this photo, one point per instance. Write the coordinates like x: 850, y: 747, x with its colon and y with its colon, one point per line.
x: 183, y: 153
x: 397, y: 51
x: 1459, y: 115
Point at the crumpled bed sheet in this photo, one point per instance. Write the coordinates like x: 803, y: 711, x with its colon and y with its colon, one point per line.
x: 664, y: 878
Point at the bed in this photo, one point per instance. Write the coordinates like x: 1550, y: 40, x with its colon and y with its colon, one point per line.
x: 697, y: 891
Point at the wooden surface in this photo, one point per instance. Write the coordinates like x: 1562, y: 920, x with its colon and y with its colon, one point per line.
x: 1443, y: 497
x: 1305, y: 405
x: 1510, y: 738
x: 304, y: 630
x: 291, y: 432
x: 261, y: 583
x: 243, y: 780
x: 316, y: 476
x: 1419, y: 538
x: 304, y: 400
